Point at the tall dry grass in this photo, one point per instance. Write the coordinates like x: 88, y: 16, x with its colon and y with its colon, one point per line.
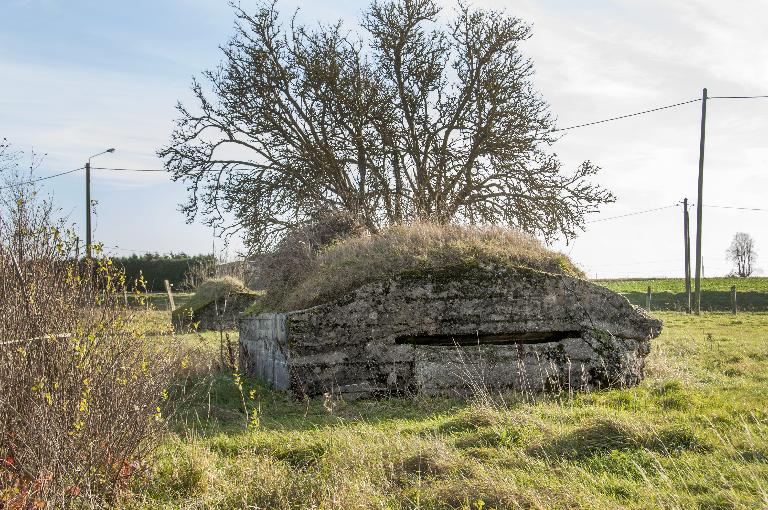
x: 213, y: 289
x: 354, y: 261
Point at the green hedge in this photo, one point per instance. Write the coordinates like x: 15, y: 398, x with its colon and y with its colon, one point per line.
x: 157, y: 268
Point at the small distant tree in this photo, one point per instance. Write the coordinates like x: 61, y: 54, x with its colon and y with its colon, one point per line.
x: 742, y: 254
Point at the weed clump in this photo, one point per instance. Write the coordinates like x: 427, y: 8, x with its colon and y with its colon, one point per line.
x: 601, y: 436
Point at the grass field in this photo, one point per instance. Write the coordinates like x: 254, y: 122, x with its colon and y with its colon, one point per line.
x: 158, y: 300
x: 693, y: 435
x: 669, y: 293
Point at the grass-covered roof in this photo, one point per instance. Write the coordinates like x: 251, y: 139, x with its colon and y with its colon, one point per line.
x: 213, y: 290
x: 352, y: 262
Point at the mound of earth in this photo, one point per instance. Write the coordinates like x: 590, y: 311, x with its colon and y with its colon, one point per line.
x: 216, y: 304
x: 300, y: 277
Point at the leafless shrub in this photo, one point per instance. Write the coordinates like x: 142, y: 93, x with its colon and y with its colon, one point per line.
x: 81, y: 391
x: 295, y: 256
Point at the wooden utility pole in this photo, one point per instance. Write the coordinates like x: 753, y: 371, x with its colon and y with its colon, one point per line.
x: 699, y: 202
x: 687, y: 245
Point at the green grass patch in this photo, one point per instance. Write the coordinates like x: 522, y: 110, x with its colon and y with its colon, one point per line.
x: 669, y: 293
x: 157, y: 300
x: 692, y: 435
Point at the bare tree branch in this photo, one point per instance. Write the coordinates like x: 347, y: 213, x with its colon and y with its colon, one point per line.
x: 409, y: 119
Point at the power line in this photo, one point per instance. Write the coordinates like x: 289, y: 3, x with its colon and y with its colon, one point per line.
x: 124, y: 249
x: 40, y: 179
x: 129, y: 169
x: 675, y: 205
x: 627, y: 264
x: 737, y: 97
x: 626, y: 116
x: 697, y: 100
x: 633, y: 213
x: 159, y: 169
x: 129, y: 250
x: 675, y: 105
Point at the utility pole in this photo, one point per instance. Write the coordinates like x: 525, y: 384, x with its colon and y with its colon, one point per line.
x: 700, y: 201
x: 88, y: 210
x: 687, y: 244
x: 88, y: 201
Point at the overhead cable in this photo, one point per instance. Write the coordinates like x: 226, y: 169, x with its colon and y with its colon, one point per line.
x: 626, y: 116
x: 646, y: 211
x: 40, y: 179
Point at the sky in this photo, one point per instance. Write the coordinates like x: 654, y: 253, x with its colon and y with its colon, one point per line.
x: 77, y: 77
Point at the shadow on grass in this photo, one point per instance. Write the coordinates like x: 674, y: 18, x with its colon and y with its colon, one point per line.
x: 606, y: 436
x: 215, y: 404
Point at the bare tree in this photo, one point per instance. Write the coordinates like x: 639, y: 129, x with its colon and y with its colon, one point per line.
x: 411, y: 118
x: 742, y: 254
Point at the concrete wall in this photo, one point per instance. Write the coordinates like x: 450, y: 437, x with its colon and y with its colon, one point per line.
x: 533, y: 331
x: 576, y: 364
x: 263, y: 350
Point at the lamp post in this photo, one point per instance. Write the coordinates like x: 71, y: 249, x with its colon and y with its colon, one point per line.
x: 88, y: 201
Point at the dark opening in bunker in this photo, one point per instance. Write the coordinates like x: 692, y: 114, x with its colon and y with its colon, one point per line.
x: 526, y: 337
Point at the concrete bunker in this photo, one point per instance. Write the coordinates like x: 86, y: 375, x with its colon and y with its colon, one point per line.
x: 453, y: 331
x: 216, y: 305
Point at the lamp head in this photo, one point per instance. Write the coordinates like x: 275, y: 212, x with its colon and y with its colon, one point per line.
x: 111, y: 150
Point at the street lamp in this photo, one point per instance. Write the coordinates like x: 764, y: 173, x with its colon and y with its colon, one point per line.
x: 88, y: 201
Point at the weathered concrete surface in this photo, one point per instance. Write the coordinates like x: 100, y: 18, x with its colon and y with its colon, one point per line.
x: 224, y: 314
x: 454, y: 331
x: 266, y: 355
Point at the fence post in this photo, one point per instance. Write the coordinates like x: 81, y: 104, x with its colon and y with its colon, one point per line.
x: 734, y: 308
x: 648, y: 299
x: 170, y: 295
